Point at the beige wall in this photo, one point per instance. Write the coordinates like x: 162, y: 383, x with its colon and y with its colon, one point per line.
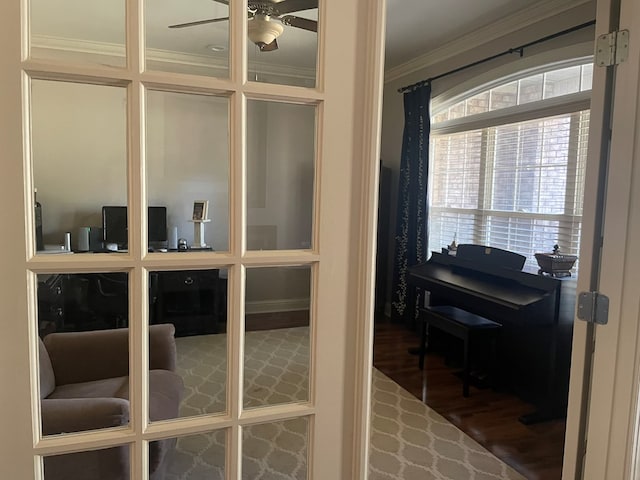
x: 79, y: 153
x: 80, y: 165
x: 188, y: 160
x: 574, y: 45
x: 280, y: 172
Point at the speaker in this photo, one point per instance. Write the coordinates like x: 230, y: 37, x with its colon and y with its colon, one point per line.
x: 172, y: 243
x: 89, y: 239
x: 82, y: 243
x: 95, y: 239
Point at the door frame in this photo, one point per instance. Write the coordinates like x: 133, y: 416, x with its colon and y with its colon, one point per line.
x: 602, y: 422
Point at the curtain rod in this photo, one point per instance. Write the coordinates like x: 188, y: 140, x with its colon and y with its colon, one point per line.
x: 519, y: 50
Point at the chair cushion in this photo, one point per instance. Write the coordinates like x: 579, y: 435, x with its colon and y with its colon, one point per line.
x: 47, y: 377
x: 64, y: 415
x: 165, y: 392
x: 117, y: 387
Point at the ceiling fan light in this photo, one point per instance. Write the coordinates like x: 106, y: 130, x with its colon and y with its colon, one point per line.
x: 262, y: 30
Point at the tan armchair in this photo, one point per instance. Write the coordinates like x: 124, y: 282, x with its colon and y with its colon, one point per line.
x: 84, y: 385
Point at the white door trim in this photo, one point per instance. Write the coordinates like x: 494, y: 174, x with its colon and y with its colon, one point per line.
x: 612, y: 406
x: 583, y: 333
x: 366, y: 166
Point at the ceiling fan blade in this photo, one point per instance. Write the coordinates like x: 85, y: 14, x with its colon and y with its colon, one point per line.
x: 299, y: 22
x: 269, y: 47
x: 288, y: 6
x: 199, y: 22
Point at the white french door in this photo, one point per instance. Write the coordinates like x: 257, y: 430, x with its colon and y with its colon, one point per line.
x: 100, y: 110
x: 605, y: 444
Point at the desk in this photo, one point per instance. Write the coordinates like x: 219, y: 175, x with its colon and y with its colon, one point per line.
x: 189, y: 299
x: 81, y: 302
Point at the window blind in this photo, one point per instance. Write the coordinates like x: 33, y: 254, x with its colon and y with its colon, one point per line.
x: 517, y: 186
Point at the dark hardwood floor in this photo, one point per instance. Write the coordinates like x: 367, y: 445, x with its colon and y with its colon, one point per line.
x: 269, y: 321
x: 489, y: 417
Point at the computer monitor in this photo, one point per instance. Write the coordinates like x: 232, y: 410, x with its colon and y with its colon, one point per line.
x: 157, y: 223
x: 114, y: 225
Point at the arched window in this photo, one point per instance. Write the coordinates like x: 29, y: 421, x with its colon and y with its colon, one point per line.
x: 508, y: 161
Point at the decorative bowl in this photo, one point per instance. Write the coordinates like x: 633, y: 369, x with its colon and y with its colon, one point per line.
x: 555, y: 264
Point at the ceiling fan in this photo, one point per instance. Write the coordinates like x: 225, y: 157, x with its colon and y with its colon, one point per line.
x: 266, y: 20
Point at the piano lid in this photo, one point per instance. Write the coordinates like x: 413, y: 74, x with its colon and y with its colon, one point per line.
x: 490, y: 256
x: 510, y: 288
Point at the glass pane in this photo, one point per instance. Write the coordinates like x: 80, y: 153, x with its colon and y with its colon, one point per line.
x: 504, y: 175
x: 198, y: 457
x: 526, y: 90
x: 174, y: 44
x: 283, y: 42
x: 83, y: 351
x: 190, y: 305
x: 504, y: 96
x: 187, y: 162
x: 79, y: 161
x: 449, y: 226
x: 82, y: 302
x: 90, y: 465
x: 530, y: 89
x: 280, y: 175
x: 457, y: 111
x: 78, y: 30
x: 276, y: 353
x: 440, y: 117
x: 586, y: 77
x: 562, y: 82
x: 276, y: 447
x: 455, y: 177
x: 477, y: 104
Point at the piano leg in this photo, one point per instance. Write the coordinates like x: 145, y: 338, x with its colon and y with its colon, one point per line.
x: 422, y: 348
x: 466, y: 368
x: 414, y: 301
x: 554, y: 406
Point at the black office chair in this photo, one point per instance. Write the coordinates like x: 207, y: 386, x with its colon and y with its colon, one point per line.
x: 109, y: 299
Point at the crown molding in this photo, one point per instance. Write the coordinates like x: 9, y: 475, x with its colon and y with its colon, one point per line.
x: 88, y: 47
x: 509, y: 24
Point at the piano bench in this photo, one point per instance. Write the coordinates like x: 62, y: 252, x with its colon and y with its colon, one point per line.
x: 464, y: 325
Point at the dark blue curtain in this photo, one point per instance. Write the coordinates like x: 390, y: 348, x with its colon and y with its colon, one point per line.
x: 411, y: 219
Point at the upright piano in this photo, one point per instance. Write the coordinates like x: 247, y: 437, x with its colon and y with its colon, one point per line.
x: 536, y: 313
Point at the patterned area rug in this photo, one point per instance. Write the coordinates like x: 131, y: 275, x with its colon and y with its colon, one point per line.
x: 409, y: 441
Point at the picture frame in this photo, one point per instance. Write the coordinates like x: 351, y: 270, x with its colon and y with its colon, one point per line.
x: 200, y: 209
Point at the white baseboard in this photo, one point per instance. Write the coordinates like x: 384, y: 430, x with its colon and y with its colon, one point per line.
x: 272, y: 306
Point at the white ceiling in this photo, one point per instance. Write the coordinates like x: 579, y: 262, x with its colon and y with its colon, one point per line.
x: 414, y: 27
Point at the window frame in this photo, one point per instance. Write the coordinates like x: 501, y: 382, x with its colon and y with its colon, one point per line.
x: 573, y: 104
